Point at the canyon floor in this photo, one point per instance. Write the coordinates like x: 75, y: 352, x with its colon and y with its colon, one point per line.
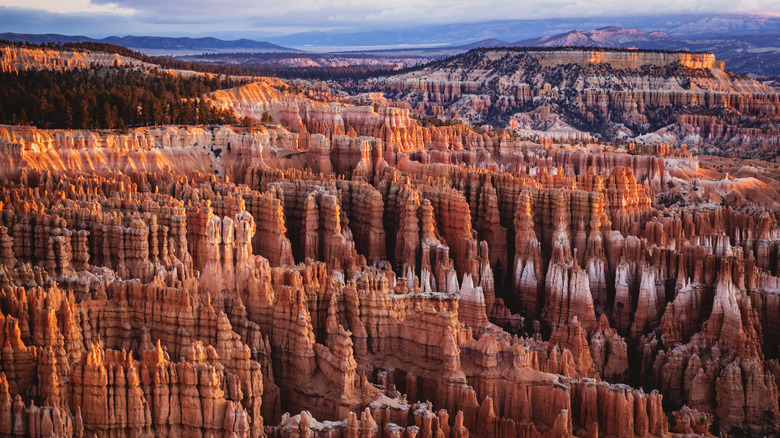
x: 373, y: 258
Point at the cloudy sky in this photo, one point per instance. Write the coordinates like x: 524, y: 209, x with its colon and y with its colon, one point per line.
x: 99, y: 18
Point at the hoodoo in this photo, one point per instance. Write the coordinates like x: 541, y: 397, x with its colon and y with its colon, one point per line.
x: 363, y: 271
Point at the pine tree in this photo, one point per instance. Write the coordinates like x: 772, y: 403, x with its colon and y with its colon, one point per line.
x: 109, y: 116
x: 22, y: 120
x: 247, y: 122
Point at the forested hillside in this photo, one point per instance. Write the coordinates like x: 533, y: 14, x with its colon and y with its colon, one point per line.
x: 109, y: 98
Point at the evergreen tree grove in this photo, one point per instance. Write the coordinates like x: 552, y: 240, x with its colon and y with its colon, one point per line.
x: 109, y: 98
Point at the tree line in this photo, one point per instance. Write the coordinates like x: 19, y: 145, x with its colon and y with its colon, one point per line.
x: 251, y: 64
x: 100, y: 98
x: 162, y: 61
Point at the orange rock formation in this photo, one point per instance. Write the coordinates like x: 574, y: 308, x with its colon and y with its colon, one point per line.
x: 355, y: 273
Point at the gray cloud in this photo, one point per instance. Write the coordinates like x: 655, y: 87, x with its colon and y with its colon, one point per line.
x: 23, y: 20
x: 325, y: 13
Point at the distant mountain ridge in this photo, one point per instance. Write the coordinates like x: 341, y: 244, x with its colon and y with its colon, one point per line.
x: 610, y: 36
x: 743, y: 54
x: 757, y: 54
x: 155, y: 43
x: 456, y: 34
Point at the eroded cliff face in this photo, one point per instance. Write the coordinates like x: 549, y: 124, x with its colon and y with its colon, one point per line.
x: 351, y: 272
x: 175, y: 149
x: 13, y: 58
x: 653, y: 97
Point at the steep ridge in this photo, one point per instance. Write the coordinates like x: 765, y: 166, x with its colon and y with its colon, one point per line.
x: 649, y: 96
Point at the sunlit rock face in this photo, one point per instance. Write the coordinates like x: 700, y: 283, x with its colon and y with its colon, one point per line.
x: 352, y: 272
x: 15, y: 58
x: 568, y: 94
